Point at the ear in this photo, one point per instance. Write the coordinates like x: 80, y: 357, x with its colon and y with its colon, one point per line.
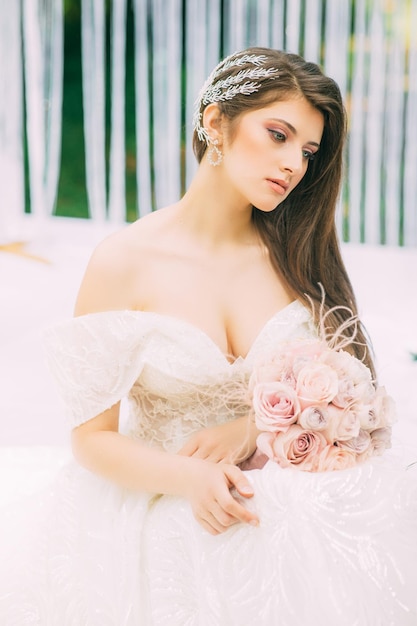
x: 212, y: 121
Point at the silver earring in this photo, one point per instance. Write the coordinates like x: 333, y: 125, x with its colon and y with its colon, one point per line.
x: 214, y: 155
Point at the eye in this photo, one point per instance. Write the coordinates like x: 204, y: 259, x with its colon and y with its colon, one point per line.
x: 277, y: 135
x: 310, y: 156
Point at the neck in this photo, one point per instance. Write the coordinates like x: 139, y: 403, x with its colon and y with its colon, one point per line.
x: 215, y: 212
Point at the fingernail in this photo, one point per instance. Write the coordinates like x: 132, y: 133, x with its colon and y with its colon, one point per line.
x: 246, y: 489
x: 254, y: 522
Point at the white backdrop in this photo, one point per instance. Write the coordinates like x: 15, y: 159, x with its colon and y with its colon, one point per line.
x: 368, y: 46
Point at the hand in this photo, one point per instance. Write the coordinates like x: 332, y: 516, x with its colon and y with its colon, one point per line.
x: 232, y: 442
x: 208, y: 491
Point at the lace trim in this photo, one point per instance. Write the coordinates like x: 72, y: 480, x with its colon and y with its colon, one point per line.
x: 174, y: 373
x: 168, y: 421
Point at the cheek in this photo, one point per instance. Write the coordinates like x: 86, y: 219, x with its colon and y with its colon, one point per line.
x: 243, y: 152
x: 243, y: 158
x: 248, y: 144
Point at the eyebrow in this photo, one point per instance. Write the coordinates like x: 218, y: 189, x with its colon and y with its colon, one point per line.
x: 294, y: 130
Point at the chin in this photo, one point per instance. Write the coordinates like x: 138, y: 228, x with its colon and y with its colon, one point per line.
x: 266, y: 208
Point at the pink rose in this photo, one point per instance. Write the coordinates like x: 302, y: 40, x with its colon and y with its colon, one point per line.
x: 314, y: 418
x: 355, y: 380
x: 343, y: 424
x: 317, y: 383
x: 276, y: 406
x: 295, y: 447
x: 306, y: 352
x: 335, y: 458
x: 265, y: 443
x: 381, y: 440
x: 279, y: 369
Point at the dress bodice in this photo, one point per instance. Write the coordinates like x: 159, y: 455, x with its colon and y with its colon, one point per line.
x: 176, y: 379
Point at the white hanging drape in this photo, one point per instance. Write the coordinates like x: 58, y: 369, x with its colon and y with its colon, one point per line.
x: 93, y: 76
x: 43, y: 63
x: 313, y: 30
x: 368, y: 46
x: 374, y: 159
x: 203, y: 46
x: 117, y: 186
x: 166, y: 99
x: 12, y: 201
x: 142, y: 108
x: 409, y: 179
x: 356, y: 146
x: 381, y: 188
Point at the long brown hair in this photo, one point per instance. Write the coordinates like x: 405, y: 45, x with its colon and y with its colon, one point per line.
x: 301, y: 232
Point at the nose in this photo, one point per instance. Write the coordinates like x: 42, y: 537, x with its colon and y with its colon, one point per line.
x: 292, y: 160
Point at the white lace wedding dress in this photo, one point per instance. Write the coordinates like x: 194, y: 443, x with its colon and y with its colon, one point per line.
x: 336, y: 548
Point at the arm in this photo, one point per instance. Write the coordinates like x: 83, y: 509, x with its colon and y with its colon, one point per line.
x: 98, y: 446
x: 233, y: 442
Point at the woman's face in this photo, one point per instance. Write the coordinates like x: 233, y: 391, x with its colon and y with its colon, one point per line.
x: 269, y: 151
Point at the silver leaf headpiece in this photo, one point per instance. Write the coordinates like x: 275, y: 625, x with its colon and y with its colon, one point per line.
x: 244, y: 82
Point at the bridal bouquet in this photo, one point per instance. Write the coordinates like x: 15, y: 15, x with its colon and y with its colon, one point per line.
x: 318, y: 408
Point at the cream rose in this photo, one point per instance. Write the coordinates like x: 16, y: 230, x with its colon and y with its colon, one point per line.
x: 335, y: 458
x: 276, y: 406
x: 359, y: 445
x: 381, y: 440
x: 317, y: 383
x: 382, y: 410
x: 295, y: 447
x: 343, y: 424
x: 314, y: 418
x: 367, y: 454
x: 355, y: 380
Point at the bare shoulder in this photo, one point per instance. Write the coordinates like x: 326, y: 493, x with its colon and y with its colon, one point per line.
x: 112, y: 274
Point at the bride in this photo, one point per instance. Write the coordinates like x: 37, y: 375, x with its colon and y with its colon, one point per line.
x: 156, y: 521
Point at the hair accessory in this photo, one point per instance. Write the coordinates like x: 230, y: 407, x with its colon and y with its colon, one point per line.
x: 244, y: 82
x: 214, y: 150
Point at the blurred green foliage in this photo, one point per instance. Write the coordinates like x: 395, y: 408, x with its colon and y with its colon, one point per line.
x: 72, y: 193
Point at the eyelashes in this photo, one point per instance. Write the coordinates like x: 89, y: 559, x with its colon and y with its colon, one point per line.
x: 280, y: 137
x: 277, y: 135
x: 310, y: 156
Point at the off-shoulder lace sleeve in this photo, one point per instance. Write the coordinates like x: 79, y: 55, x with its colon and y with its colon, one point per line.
x: 95, y: 359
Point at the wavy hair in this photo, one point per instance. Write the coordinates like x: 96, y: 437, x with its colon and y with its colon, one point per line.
x: 301, y: 232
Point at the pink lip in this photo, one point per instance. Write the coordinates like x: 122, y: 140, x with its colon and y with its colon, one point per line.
x: 279, y: 186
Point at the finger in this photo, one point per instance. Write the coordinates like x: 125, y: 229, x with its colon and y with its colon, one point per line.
x: 215, y: 456
x: 232, y: 506
x: 201, y: 453
x: 218, y: 521
x: 210, y: 523
x: 189, y: 449
x: 236, y: 510
x: 244, y: 487
x: 240, y: 513
x: 221, y: 516
x: 240, y: 482
x: 208, y: 527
